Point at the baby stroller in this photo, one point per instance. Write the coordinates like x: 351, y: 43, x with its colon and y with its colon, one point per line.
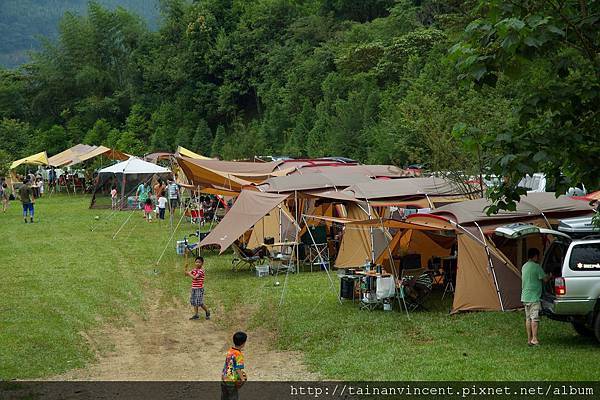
x: 192, y: 246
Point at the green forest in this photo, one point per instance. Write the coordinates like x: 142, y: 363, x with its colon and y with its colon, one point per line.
x: 500, y: 87
x: 25, y: 24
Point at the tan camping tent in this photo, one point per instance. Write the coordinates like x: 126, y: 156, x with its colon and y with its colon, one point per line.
x: 417, y: 241
x: 488, y: 273
x: 249, y: 208
x: 278, y: 224
x: 360, y: 244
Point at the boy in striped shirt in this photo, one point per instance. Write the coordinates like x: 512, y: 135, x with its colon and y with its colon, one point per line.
x: 197, y: 295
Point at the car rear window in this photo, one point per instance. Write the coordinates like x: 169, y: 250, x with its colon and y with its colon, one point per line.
x: 585, y: 257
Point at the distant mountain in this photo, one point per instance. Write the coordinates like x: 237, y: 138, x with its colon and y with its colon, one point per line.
x: 23, y: 21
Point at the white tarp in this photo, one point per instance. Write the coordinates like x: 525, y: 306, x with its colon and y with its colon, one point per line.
x: 134, y: 166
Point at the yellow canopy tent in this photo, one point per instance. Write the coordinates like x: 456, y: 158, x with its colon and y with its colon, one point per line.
x: 188, y: 153
x: 40, y: 158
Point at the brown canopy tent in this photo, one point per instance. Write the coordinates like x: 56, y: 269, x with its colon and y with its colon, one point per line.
x: 407, y: 187
x: 405, y: 193
x: 326, y: 180
x: 545, y: 205
x: 488, y: 274
x: 154, y: 158
x: 249, y: 208
x: 373, y: 171
x: 229, y: 175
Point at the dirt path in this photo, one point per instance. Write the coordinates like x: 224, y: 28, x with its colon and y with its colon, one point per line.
x: 168, y: 346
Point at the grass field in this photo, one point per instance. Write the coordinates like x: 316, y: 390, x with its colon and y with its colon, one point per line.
x: 60, y: 279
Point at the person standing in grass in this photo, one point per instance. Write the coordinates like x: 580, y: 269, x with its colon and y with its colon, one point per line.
x: 4, y: 196
x: 140, y: 195
x: 532, y: 277
x: 173, y: 193
x: 113, y: 197
x: 234, y: 376
x: 148, y: 210
x: 27, y: 199
x: 197, y: 295
x: 159, y: 188
x: 162, y: 206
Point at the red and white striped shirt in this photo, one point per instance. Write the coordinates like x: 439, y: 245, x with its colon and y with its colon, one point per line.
x: 198, y: 279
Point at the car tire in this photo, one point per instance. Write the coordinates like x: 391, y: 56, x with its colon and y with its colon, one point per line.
x: 582, y: 329
x: 597, y: 326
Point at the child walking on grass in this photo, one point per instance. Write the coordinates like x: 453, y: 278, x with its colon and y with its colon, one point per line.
x: 234, y: 376
x: 148, y: 210
x: 197, y: 295
x: 162, y: 206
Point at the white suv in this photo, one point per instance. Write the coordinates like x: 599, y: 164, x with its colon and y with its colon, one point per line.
x: 573, y: 294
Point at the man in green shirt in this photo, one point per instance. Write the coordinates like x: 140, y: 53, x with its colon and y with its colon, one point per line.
x: 532, y: 277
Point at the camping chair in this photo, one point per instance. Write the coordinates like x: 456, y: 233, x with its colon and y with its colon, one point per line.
x: 318, y: 251
x: 243, y: 258
x: 415, y: 287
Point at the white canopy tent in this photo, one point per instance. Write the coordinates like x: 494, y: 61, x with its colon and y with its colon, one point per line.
x: 134, y: 165
x: 126, y: 176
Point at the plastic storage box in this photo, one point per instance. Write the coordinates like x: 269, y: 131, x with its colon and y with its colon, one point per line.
x: 262, y: 270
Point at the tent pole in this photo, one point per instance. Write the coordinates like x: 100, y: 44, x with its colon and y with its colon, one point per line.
x: 297, y: 228
x: 429, y: 201
x: 547, y: 222
x: 123, y: 199
x: 487, y: 250
x: 332, y: 285
x: 372, y: 239
x: 280, y: 227
x: 394, y: 272
x: 198, y: 215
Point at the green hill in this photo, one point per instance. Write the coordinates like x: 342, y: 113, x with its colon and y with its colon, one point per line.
x: 22, y: 22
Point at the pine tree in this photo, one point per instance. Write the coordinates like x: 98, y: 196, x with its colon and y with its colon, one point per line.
x: 218, y: 142
x: 203, y: 139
